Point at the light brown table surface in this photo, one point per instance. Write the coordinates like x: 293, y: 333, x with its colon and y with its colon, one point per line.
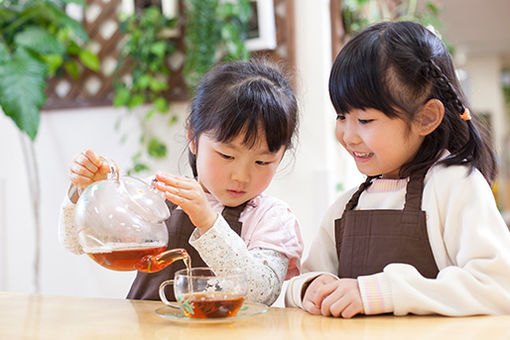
x: 30, y: 316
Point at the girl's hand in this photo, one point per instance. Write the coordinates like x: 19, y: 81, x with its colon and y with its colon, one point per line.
x: 329, y: 296
x: 87, y: 168
x: 189, y: 195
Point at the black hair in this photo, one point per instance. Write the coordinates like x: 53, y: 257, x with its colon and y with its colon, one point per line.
x: 396, y: 67
x: 244, y: 97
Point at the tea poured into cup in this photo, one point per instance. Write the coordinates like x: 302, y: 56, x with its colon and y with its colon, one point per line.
x: 202, y: 294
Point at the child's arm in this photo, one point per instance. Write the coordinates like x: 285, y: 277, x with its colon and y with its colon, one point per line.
x: 66, y: 231
x: 270, y: 243
x: 223, y: 250
x: 85, y: 168
x: 471, y: 247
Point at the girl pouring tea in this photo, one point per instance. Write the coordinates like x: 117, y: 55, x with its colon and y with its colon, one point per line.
x: 243, y: 119
x: 422, y: 234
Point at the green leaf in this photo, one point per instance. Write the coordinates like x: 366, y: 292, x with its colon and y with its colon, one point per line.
x: 122, y: 96
x: 172, y: 120
x: 161, y: 104
x: 39, y: 40
x: 150, y: 114
x: 71, y: 66
x: 53, y: 61
x: 139, y: 167
x: 156, y: 148
x: 22, y: 85
x: 143, y: 82
x: 73, y: 48
x: 136, y: 100
x: 89, y: 60
x: 158, y: 48
x: 78, y: 2
x: 157, y: 85
x: 5, y: 56
x: 46, y: 11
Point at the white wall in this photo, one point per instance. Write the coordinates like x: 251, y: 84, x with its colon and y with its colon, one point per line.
x: 308, y: 186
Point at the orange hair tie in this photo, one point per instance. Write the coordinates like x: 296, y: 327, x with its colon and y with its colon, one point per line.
x: 466, y: 115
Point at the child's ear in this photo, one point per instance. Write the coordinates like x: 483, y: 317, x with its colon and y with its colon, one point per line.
x: 191, y: 143
x: 430, y: 116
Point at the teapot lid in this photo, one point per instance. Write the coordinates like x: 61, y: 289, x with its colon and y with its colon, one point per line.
x: 146, y: 201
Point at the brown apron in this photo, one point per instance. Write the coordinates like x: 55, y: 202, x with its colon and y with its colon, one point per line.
x: 368, y: 240
x: 180, y: 228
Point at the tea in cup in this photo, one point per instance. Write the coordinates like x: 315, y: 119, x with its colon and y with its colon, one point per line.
x: 201, y: 294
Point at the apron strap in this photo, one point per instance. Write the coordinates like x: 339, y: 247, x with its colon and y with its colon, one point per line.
x: 353, y: 202
x: 232, y: 214
x: 414, y: 191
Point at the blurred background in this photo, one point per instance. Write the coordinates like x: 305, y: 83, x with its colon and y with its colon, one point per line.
x: 116, y: 76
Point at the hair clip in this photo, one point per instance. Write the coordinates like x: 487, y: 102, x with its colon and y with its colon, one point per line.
x: 466, y: 115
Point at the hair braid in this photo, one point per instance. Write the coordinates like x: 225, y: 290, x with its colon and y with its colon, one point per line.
x: 443, y: 84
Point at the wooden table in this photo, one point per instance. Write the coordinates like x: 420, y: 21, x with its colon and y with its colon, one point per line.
x: 29, y: 316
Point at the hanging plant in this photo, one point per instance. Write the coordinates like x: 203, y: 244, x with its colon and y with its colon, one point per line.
x: 213, y: 31
x: 147, y: 48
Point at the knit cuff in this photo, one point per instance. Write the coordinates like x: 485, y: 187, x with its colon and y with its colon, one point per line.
x: 376, y: 294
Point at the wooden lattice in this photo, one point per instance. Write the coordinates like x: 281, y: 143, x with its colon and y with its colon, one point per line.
x: 102, y: 24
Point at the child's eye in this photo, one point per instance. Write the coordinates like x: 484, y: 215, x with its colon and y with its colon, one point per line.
x: 365, y: 121
x: 262, y: 163
x: 340, y: 117
x: 225, y: 156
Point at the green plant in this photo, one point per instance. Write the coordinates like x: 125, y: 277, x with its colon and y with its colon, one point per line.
x: 37, y: 40
x: 214, y: 31
x: 147, y: 48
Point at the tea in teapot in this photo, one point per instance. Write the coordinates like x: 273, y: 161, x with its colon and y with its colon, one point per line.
x: 120, y: 224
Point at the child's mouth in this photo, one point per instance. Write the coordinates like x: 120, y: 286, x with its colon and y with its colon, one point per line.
x: 235, y: 193
x: 362, y: 156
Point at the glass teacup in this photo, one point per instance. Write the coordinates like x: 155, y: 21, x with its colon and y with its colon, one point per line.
x: 202, y: 294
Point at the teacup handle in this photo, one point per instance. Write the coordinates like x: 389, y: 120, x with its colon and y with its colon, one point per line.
x: 162, y: 295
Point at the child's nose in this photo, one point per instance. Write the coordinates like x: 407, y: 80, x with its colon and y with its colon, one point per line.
x: 350, y: 136
x: 241, y: 173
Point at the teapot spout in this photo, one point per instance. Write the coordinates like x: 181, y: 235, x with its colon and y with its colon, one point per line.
x: 155, y: 263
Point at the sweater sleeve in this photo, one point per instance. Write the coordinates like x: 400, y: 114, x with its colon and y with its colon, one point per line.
x: 471, y: 246
x: 223, y: 250
x: 67, y: 235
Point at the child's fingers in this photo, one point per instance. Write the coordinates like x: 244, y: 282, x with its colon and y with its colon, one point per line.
x: 176, y: 181
x: 334, y: 304
x: 93, y: 157
x: 79, y: 169
x: 318, y: 290
x: 82, y: 160
x: 176, y: 191
x: 79, y: 180
x: 311, y: 308
x: 351, y: 310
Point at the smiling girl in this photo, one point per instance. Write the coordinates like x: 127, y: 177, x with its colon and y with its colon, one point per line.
x: 422, y: 234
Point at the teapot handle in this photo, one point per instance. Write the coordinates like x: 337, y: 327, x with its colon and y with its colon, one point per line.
x: 114, y: 169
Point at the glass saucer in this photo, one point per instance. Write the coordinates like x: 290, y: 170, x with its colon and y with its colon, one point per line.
x: 246, y: 311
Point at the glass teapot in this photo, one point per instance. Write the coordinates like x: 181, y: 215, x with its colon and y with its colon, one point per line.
x: 120, y: 224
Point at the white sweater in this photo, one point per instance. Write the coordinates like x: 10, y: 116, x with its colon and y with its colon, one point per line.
x: 469, y: 240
